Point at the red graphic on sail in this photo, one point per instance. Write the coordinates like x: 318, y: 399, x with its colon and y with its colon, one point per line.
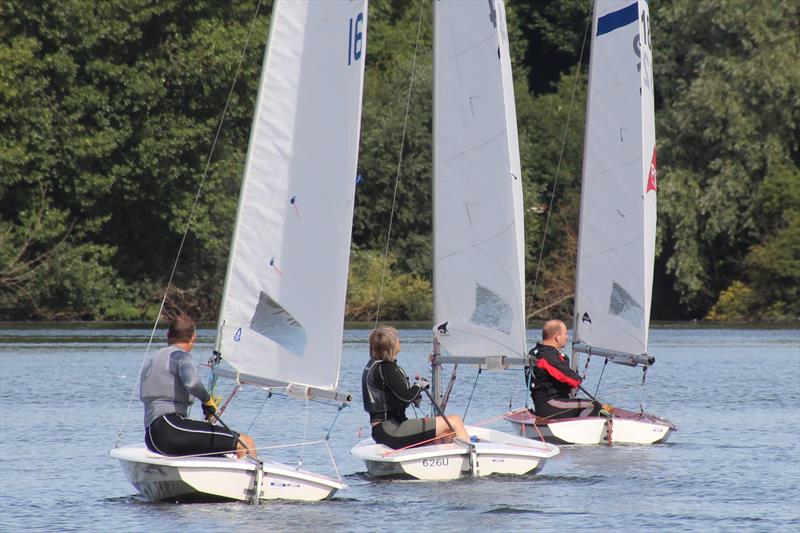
x: 651, y: 176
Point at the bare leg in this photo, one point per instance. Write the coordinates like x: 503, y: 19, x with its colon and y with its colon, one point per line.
x: 445, y: 434
x: 249, y: 447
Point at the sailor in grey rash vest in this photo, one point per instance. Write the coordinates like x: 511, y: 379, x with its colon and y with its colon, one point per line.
x: 170, y: 388
x: 168, y: 382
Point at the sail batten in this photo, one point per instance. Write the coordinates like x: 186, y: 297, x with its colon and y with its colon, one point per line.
x: 616, y: 243
x: 478, y: 234
x: 282, y: 310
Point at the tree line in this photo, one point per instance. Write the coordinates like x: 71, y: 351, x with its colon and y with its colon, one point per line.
x: 109, y: 111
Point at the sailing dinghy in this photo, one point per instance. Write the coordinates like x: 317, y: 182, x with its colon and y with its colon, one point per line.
x: 616, y: 243
x: 282, y: 313
x: 478, y: 238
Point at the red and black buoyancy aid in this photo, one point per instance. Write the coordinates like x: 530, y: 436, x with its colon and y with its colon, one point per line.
x: 552, y: 375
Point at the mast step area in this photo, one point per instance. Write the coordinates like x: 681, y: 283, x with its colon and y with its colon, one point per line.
x: 493, y: 452
x: 162, y: 478
x: 621, y: 427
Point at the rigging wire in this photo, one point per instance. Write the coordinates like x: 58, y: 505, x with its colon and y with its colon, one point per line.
x: 560, y: 158
x: 189, y: 220
x: 399, y: 165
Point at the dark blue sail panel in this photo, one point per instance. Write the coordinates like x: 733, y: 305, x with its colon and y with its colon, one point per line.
x: 617, y: 19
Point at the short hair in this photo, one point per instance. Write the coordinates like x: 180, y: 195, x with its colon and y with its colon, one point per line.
x: 383, y: 343
x: 181, y: 329
x: 552, y: 328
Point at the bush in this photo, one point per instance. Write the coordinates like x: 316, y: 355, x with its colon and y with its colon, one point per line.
x: 402, y: 296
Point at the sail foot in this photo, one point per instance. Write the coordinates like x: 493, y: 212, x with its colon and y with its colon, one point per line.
x: 620, y: 358
x: 295, y: 390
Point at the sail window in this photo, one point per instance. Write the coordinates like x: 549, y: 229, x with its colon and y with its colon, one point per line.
x: 623, y: 305
x: 277, y: 324
x: 492, y: 310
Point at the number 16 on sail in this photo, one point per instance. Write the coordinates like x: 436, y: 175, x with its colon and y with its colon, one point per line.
x: 355, y: 38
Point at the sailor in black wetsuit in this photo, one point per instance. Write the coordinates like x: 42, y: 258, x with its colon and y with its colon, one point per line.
x: 553, y: 379
x: 386, y: 393
x: 168, y: 382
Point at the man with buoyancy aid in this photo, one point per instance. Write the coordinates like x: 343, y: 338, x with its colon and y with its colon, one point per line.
x: 386, y: 393
x: 553, y: 379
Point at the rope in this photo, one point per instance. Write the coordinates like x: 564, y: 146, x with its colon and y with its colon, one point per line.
x: 560, y: 158
x: 225, y: 405
x: 586, y: 366
x: 641, y: 390
x: 335, y: 418
x: 293, y: 445
x: 449, y: 387
x: 188, y: 223
x: 399, y: 166
x: 333, y: 461
x: 305, y: 435
x: 471, y: 393
x: 421, y: 443
x: 258, y: 413
x: 603, y: 371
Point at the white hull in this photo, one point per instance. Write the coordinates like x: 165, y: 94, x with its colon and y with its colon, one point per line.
x: 494, y: 453
x: 623, y: 427
x: 159, y: 477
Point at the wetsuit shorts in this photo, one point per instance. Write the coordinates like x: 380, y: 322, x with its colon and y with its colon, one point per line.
x: 555, y: 408
x: 397, y: 435
x: 175, y: 435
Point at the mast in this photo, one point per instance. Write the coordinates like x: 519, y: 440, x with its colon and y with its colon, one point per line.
x: 436, y: 366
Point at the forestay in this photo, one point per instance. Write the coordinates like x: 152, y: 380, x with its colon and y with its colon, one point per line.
x: 282, y: 311
x: 618, y: 198
x: 478, y: 216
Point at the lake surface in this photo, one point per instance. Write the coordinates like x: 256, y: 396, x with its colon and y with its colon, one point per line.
x: 733, y: 465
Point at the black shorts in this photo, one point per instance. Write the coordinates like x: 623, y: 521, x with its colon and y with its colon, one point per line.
x: 556, y: 408
x: 397, y: 435
x: 175, y: 435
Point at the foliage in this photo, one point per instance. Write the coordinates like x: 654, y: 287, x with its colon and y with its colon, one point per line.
x: 772, y: 287
x: 729, y: 86
x: 109, y: 113
x: 387, y: 184
x: 374, y: 279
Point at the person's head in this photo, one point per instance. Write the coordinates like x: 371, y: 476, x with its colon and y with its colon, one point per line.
x: 384, y: 343
x: 181, y: 330
x: 554, y: 333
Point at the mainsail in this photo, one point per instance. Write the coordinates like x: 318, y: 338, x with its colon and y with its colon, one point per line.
x: 616, y: 244
x: 282, y: 309
x: 479, y: 303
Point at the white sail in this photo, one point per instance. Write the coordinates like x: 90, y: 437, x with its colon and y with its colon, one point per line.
x: 479, y: 302
x: 282, y: 311
x: 618, y: 198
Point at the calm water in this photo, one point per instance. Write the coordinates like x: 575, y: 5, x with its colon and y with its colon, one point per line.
x: 734, y: 464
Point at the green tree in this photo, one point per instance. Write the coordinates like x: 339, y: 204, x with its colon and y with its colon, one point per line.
x: 727, y: 80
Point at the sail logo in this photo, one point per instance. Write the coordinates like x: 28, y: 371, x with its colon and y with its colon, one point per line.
x: 355, y: 39
x: 651, y: 176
